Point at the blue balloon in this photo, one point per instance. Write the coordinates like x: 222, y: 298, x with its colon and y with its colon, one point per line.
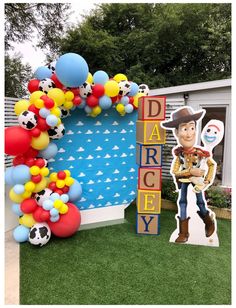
x: 47, y: 205
x: 100, y: 77
x: 134, y: 89
x: 87, y: 109
x: 16, y: 209
x: 51, y: 120
x: 129, y: 108
x: 44, y: 112
x: 54, y: 218
x: 21, y: 233
x: 75, y: 191
x: 124, y: 100
x: 105, y: 102
x: 54, y: 212
x: 8, y: 176
x: 50, y: 151
x: 82, y: 104
x: 55, y: 196
x: 42, y: 72
x: 65, y: 198
x: 19, y: 189
x: 72, y: 70
x: 21, y: 174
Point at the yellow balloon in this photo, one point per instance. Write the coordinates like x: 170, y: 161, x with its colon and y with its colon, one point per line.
x: 41, y: 142
x: 44, y: 171
x: 57, y: 95
x: 60, y: 183
x: 120, y: 108
x: 89, y: 78
x: 34, y: 170
x: 35, y: 95
x: 136, y: 98
x: 69, y: 96
x: 68, y: 105
x: 21, y: 106
x: 120, y: 77
x: 58, y: 204
x: 69, y: 181
x: 58, y: 121
x: 53, y: 177
x: 97, y: 110
x: 39, y: 103
x: 14, y: 197
x: 27, y: 220
x: 111, y: 88
x: 41, y: 185
x: 26, y: 195
x: 63, y: 209
x: 67, y: 172
x: 29, y: 186
x: 56, y: 111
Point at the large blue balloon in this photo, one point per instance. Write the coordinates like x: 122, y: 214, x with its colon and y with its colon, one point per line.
x: 50, y: 151
x: 72, y: 70
x: 21, y: 174
x: 8, y: 176
x: 75, y: 192
x: 42, y: 72
x: 21, y: 233
x: 134, y: 89
x: 100, y: 77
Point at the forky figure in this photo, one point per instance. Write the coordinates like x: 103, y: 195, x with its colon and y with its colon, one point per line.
x: 211, y: 136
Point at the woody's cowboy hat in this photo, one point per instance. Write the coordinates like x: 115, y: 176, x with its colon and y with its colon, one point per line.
x: 183, y: 115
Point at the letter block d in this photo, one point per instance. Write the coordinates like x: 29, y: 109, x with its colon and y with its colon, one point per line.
x: 148, y: 224
x: 152, y: 108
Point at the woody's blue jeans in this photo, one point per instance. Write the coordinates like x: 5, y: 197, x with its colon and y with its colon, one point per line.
x: 183, y: 201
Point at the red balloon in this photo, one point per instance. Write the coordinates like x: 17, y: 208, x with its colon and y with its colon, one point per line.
x: 42, y: 124
x: 34, y: 109
x: 31, y: 153
x: 75, y: 91
x: 41, y: 215
x: 77, y: 101
x: 65, y: 189
x: 61, y: 175
x: 17, y: 140
x: 92, y: 101
x: 36, y: 178
x: 48, y: 102
x: 29, y: 162
x: 33, y: 85
x: 40, y: 162
x: 56, y: 81
x: 58, y: 191
x: 52, y: 186
x: 68, y: 223
x: 18, y: 160
x: 98, y: 90
x: 114, y: 99
x: 35, y: 132
x: 28, y: 206
x: 131, y: 100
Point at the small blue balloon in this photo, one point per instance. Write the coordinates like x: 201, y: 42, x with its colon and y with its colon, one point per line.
x: 50, y: 151
x: 54, y: 212
x: 100, y: 77
x: 105, y: 102
x: 16, y: 209
x: 124, y: 100
x: 51, y: 120
x: 134, y: 89
x: 47, y: 205
x: 21, y: 174
x: 21, y: 233
x: 19, y: 189
x: 65, y: 198
x: 44, y: 112
x: 82, y: 104
x: 129, y: 108
x: 42, y: 72
x: 54, y: 196
x: 8, y: 176
x: 54, y: 218
x: 87, y: 109
x: 75, y: 191
x: 72, y: 70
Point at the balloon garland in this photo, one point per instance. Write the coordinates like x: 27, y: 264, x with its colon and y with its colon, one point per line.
x: 43, y: 201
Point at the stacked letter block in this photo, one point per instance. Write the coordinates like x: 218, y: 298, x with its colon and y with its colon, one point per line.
x: 150, y: 137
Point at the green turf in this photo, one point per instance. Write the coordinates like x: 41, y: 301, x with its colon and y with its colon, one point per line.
x: 113, y: 265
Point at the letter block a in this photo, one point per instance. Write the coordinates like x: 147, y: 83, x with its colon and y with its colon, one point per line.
x: 149, y: 202
x: 149, y: 179
x: 150, y: 132
x: 148, y: 224
x: 149, y: 155
x: 152, y: 108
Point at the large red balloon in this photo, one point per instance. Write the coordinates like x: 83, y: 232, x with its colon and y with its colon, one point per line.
x: 98, y: 90
x: 17, y: 140
x: 68, y: 223
x: 92, y: 101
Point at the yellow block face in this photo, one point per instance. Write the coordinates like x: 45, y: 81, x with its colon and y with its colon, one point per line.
x: 148, y: 224
x: 149, y: 202
x: 150, y: 132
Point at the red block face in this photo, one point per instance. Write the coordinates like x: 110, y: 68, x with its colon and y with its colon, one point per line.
x: 152, y: 108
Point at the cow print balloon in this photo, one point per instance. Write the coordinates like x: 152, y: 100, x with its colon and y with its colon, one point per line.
x: 125, y: 87
x: 56, y: 132
x: 43, y: 195
x: 144, y: 89
x: 39, y: 234
x: 46, y: 85
x: 28, y: 120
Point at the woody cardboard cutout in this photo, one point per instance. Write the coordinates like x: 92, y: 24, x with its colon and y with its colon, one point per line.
x: 193, y: 170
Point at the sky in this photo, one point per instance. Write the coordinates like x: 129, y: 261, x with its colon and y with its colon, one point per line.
x: 35, y: 56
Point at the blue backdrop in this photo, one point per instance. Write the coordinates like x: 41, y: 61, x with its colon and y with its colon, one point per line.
x: 100, y: 153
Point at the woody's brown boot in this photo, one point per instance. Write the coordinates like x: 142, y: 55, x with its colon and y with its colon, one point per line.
x: 209, y: 223
x: 183, y: 231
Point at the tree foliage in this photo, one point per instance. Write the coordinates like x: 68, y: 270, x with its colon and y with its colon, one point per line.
x: 158, y: 44
x: 16, y: 76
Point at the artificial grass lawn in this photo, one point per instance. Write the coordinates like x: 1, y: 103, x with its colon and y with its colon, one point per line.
x: 113, y: 265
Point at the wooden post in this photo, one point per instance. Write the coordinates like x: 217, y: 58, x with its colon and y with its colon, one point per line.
x: 150, y: 137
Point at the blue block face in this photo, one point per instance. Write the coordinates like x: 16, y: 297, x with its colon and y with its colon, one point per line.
x: 100, y: 154
x: 148, y: 224
x: 149, y: 155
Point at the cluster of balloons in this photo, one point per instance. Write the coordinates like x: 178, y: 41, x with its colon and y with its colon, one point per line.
x: 43, y: 201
